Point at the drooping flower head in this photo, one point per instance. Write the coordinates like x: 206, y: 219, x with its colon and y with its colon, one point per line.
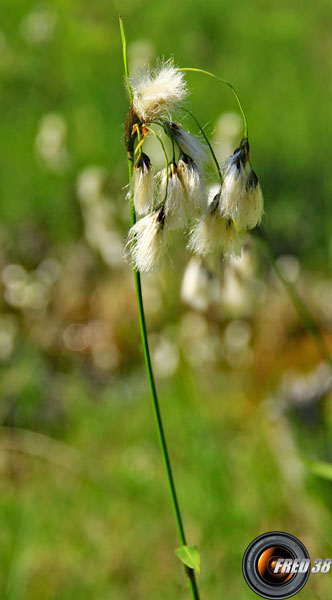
x: 190, y: 144
x: 192, y: 182
x: 241, y: 194
x: 180, y: 193
x: 215, y: 233
x: 156, y: 93
x: 175, y: 208
x: 254, y: 206
x: 143, y: 185
x: 147, y: 244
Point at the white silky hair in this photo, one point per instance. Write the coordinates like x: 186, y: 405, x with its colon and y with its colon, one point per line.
x: 157, y: 93
x: 193, y: 184
x: 175, y: 207
x: 216, y: 222
x: 241, y: 195
x: 215, y: 233
x: 143, y: 189
x: 191, y: 145
x: 147, y: 244
x: 253, y: 209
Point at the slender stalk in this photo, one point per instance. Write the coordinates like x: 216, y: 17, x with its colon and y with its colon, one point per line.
x: 139, y: 145
x: 152, y: 386
x: 173, y: 150
x: 208, y: 143
x: 156, y: 409
x: 302, y: 310
x: 194, y: 70
x: 125, y: 58
x: 165, y: 157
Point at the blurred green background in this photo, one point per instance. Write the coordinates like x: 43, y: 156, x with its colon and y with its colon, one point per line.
x: 85, y: 511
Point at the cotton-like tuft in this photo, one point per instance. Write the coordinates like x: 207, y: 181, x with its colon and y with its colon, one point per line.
x: 175, y: 206
x: 253, y: 207
x: 190, y: 145
x: 157, y: 93
x: 241, y: 194
x: 193, y: 184
x: 143, y: 185
x: 214, y: 233
x: 147, y: 244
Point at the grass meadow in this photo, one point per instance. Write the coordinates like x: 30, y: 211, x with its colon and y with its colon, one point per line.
x: 245, y: 394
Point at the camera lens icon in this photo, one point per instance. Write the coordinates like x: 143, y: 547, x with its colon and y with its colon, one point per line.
x: 268, y: 561
x: 268, y: 565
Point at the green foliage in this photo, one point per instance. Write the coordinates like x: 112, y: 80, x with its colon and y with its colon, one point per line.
x: 190, y: 557
x: 319, y: 468
x: 275, y: 56
x: 84, y: 510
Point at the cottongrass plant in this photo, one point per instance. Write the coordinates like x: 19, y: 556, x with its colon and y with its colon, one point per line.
x: 177, y: 198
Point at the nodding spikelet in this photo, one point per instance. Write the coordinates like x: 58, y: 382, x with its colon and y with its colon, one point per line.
x: 215, y: 233
x: 175, y: 208
x: 192, y: 182
x: 190, y: 144
x: 241, y: 194
x: 146, y: 245
x: 143, y: 185
x: 156, y: 93
x: 253, y: 208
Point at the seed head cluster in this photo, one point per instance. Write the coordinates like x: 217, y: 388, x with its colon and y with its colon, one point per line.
x: 156, y: 93
x: 177, y: 198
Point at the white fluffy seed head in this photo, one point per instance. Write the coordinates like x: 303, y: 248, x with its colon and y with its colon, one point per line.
x: 193, y: 183
x: 253, y: 207
x: 191, y: 145
x: 234, y: 188
x: 147, y: 244
x: 175, y: 207
x: 241, y: 194
x: 214, y: 233
x: 143, y: 185
x: 156, y: 93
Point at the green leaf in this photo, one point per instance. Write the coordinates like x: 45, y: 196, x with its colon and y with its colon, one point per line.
x: 320, y: 468
x: 189, y: 556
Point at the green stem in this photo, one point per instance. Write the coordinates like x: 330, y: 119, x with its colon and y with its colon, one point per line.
x: 208, y: 143
x: 173, y: 150
x: 139, y: 145
x: 153, y: 391
x: 166, y: 159
x: 156, y: 409
x: 166, y: 129
x: 245, y: 134
x: 302, y: 310
x: 125, y: 58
